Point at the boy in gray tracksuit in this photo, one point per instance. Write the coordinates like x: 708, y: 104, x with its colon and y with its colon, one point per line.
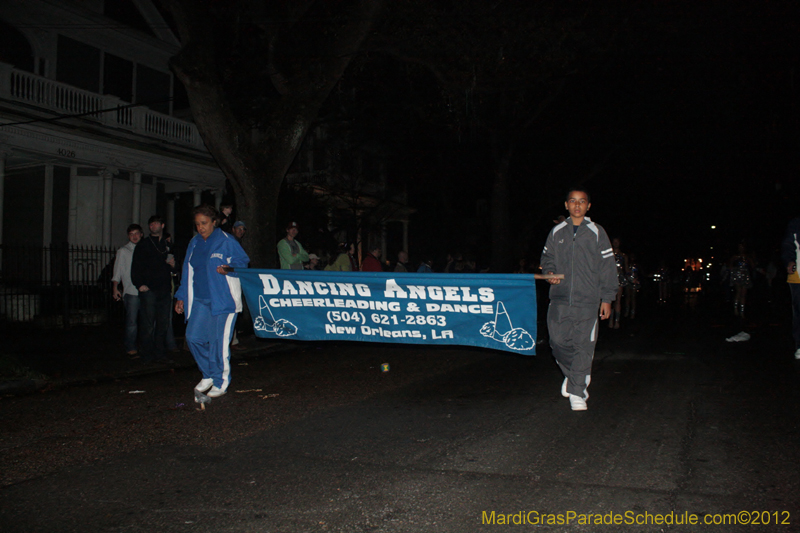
x: 579, y: 249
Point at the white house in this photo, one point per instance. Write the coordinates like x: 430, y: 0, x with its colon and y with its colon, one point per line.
x: 90, y: 139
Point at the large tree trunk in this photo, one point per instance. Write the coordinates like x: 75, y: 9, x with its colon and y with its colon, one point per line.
x: 256, y: 170
x: 502, y: 247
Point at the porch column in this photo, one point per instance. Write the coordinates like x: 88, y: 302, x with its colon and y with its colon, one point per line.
x: 136, y: 198
x: 198, y: 195
x: 47, y: 222
x: 72, y: 231
x: 217, y: 198
x: 107, y: 174
x: 4, y: 153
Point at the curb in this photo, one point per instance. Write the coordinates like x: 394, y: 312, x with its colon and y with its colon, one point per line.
x: 17, y: 387
x: 21, y: 387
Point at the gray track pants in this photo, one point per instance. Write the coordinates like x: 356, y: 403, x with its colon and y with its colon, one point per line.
x: 573, y: 335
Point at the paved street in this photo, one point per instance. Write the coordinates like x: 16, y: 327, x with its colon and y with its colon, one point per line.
x: 319, y: 439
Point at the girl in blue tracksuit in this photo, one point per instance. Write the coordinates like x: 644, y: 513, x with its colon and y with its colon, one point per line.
x: 211, y: 296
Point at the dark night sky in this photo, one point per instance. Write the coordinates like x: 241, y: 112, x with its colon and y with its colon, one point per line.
x: 692, y: 118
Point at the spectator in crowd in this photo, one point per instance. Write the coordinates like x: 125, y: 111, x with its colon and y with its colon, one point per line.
x: 426, y: 266
x: 465, y: 265
x: 634, y: 284
x: 129, y: 294
x: 313, y: 262
x: 238, y: 231
x: 522, y: 267
x: 151, y: 274
x: 372, y: 261
x: 790, y: 253
x: 402, y: 261
x: 741, y: 267
x: 291, y: 252
x: 452, y: 260
x: 346, y: 260
x: 171, y: 345
x: 225, y: 218
x: 621, y: 260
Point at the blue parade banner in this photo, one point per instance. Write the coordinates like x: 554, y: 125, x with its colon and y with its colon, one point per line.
x: 495, y: 311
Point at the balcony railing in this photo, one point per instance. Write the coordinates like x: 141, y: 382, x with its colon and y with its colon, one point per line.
x: 20, y: 86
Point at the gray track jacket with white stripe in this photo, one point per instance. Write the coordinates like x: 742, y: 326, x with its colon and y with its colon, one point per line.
x: 587, y: 261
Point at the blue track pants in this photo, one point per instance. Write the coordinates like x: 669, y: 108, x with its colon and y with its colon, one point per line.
x: 209, y: 337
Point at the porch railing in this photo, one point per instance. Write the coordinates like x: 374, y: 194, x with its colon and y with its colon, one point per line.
x: 24, y: 87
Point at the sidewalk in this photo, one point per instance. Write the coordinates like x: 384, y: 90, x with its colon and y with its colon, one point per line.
x: 34, y: 359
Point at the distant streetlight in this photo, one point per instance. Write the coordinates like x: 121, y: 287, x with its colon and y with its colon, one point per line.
x: 713, y: 227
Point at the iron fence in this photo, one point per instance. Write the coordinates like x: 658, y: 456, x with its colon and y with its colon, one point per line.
x: 57, y: 285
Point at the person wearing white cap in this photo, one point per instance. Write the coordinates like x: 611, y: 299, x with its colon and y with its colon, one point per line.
x: 313, y: 261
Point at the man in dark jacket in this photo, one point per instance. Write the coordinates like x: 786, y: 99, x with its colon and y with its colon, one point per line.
x: 579, y: 249
x: 151, y: 270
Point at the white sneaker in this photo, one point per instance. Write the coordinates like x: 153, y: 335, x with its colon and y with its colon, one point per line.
x: 577, y: 403
x: 797, y: 354
x: 215, y: 392
x: 739, y: 337
x: 565, y: 394
x: 204, y: 384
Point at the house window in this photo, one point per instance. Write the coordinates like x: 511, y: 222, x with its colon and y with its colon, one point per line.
x: 14, y: 48
x: 118, y: 77
x: 152, y: 89
x: 78, y: 64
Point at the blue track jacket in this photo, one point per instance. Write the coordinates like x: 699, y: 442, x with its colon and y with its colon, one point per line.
x: 226, y: 291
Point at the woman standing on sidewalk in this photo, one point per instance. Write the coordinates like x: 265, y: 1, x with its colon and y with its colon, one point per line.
x: 211, y: 296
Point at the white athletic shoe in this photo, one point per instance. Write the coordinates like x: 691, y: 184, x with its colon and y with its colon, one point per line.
x: 797, y: 354
x: 204, y: 384
x: 577, y: 403
x: 739, y: 337
x: 215, y: 392
x: 565, y: 394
